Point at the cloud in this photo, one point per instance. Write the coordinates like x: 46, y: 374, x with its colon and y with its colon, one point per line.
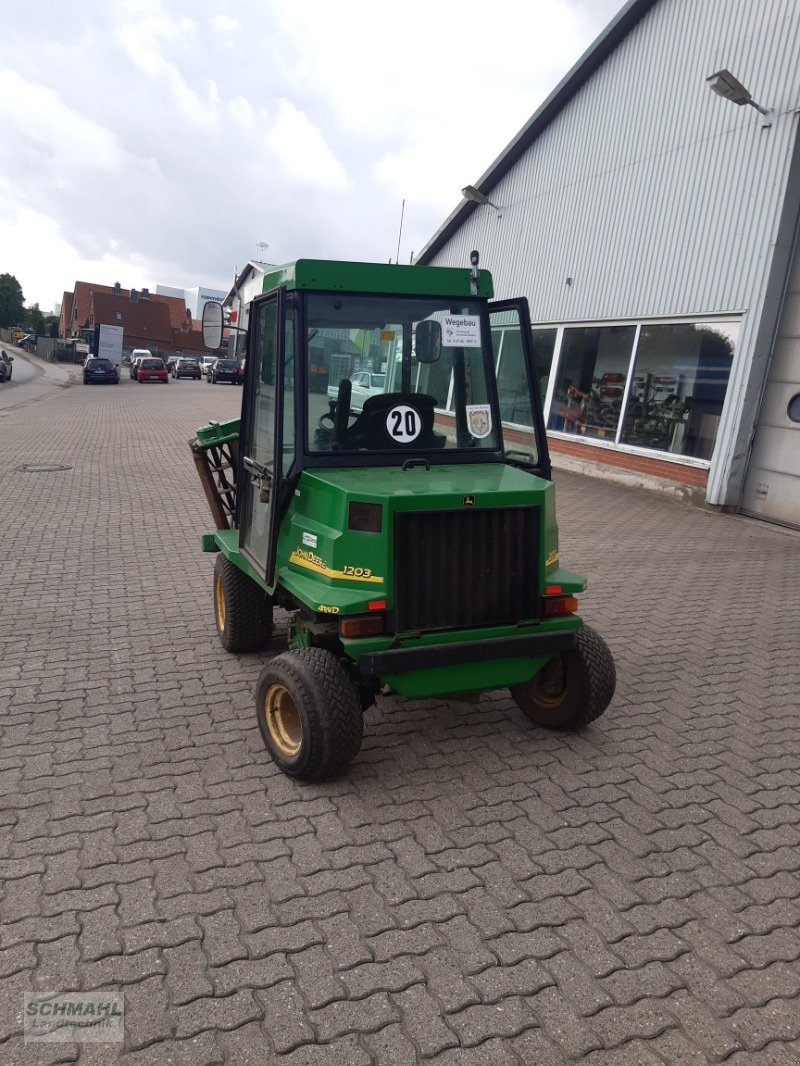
x: 301, y: 148
x: 225, y: 24
x: 159, y: 142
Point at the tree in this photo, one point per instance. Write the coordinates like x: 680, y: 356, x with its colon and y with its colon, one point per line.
x: 12, y: 302
x: 35, y: 320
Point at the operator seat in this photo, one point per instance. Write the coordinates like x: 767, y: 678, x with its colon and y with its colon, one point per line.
x: 369, y: 429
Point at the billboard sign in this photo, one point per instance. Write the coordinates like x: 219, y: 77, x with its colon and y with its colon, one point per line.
x: 109, y: 343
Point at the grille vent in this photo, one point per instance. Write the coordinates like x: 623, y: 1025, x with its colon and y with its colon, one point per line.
x: 464, y: 568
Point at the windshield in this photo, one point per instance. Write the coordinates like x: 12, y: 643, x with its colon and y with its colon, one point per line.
x: 369, y: 389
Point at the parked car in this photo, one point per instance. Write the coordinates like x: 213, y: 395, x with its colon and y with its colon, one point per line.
x: 173, y: 359
x: 5, y: 365
x: 97, y: 369
x: 225, y: 370
x: 28, y: 342
x: 187, y: 368
x: 206, y: 362
x: 363, y: 385
x: 152, y: 370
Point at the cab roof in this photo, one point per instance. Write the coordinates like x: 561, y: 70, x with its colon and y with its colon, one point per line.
x: 390, y: 279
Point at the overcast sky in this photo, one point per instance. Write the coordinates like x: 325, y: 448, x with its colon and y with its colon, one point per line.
x: 160, y: 141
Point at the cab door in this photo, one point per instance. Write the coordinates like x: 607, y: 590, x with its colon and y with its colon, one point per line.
x: 260, y: 437
x: 524, y: 439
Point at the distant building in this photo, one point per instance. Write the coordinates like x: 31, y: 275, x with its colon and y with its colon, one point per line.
x: 198, y: 297
x: 248, y: 283
x: 158, y: 321
x: 74, y: 320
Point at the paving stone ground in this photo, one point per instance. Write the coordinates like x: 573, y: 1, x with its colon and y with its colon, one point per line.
x: 476, y: 890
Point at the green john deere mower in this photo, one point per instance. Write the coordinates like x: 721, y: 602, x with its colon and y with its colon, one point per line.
x: 388, y: 484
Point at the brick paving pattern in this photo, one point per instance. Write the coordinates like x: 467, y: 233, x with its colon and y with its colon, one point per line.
x: 476, y: 890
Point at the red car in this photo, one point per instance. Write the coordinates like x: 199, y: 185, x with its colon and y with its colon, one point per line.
x: 152, y: 370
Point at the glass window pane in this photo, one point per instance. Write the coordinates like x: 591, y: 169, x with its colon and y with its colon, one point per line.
x: 512, y: 381
x: 288, y: 394
x: 678, y: 388
x: 544, y: 344
x: 397, y: 400
x: 591, y: 380
x: 255, y: 518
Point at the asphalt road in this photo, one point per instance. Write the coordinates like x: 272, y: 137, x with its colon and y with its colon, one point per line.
x: 476, y: 889
x: 23, y: 369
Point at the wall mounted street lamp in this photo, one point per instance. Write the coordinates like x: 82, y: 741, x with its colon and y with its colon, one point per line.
x: 469, y: 192
x: 724, y: 84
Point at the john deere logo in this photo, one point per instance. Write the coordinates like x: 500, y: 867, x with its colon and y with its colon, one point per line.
x: 469, y: 501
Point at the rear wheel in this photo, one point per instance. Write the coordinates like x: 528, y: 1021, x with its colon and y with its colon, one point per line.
x: 242, y: 610
x: 573, y: 688
x: 309, y: 713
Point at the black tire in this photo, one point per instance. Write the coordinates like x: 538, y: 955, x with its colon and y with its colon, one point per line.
x: 242, y: 610
x: 573, y: 688
x: 309, y: 714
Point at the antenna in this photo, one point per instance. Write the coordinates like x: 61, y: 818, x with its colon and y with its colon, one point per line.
x: 400, y: 234
x: 262, y: 247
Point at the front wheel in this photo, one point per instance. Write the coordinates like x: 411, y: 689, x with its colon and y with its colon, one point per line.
x: 242, y: 610
x: 309, y: 714
x: 573, y: 688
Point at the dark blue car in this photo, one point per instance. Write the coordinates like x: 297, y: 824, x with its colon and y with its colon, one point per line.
x: 100, y: 370
x: 224, y: 370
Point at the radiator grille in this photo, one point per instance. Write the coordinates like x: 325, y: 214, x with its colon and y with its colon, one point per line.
x: 471, y: 567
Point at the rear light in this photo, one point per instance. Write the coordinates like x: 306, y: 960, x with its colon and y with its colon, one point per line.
x: 556, y: 606
x: 362, y: 625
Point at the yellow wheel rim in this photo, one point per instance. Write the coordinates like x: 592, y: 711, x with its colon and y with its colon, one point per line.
x: 219, y: 602
x: 550, y: 684
x: 283, y: 721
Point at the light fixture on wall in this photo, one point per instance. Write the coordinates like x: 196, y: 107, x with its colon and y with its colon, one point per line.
x: 469, y: 192
x: 724, y: 84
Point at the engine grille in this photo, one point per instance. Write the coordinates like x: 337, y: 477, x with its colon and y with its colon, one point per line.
x: 471, y: 567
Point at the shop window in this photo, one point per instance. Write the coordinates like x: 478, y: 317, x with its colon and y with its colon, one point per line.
x: 544, y: 345
x: 678, y: 387
x: 590, y: 385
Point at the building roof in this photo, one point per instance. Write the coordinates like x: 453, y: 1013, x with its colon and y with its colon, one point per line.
x: 85, y: 290
x: 144, y: 323
x: 611, y: 37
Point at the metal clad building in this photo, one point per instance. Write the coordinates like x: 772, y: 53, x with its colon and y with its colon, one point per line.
x: 652, y: 226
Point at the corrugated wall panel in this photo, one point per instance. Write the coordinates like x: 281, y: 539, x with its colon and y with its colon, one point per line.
x: 652, y: 196
x: 657, y: 197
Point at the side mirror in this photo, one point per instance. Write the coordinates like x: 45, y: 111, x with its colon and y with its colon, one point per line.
x: 428, y: 341
x: 212, y: 325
